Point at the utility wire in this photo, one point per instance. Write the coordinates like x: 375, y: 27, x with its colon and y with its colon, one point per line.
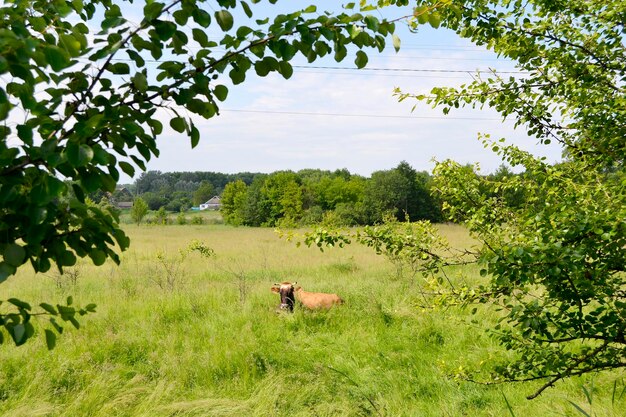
x: 378, y: 116
x: 410, y: 70
x: 334, y: 68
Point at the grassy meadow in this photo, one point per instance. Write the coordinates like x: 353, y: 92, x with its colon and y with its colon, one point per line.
x: 190, y: 336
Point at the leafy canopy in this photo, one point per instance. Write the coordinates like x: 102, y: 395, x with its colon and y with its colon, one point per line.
x: 80, y: 102
x: 556, y: 265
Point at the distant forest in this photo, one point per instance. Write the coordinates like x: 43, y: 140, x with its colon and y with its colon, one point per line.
x: 288, y: 198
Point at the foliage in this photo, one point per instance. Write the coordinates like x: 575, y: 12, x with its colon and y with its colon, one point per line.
x: 197, y: 220
x: 169, y: 271
x: 161, y: 216
x: 18, y: 320
x: 204, y: 192
x: 76, y: 109
x: 233, y: 199
x: 139, y: 210
x: 386, y: 192
x: 556, y: 263
x: 308, y: 196
x: 411, y: 247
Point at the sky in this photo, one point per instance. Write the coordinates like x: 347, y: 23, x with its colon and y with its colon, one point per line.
x: 330, y: 115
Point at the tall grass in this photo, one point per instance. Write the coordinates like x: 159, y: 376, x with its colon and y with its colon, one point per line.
x: 198, y: 348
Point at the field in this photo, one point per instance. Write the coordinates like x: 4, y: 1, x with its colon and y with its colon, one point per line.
x: 178, y: 335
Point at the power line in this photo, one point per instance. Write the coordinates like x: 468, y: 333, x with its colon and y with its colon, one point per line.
x: 334, y: 68
x: 352, y: 74
x: 410, y: 70
x: 378, y: 116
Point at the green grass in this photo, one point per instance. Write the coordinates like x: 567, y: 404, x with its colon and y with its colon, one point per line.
x: 215, y: 346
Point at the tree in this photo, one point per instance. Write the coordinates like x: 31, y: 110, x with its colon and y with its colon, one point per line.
x: 203, y: 193
x: 283, y: 195
x: 386, y: 192
x: 139, y: 210
x: 556, y: 264
x: 256, y: 207
x: 233, y: 202
x: 82, y: 104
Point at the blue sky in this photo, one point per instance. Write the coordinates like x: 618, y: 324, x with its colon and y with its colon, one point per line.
x: 332, y: 118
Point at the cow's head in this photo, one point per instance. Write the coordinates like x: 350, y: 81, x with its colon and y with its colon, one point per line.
x: 286, y: 291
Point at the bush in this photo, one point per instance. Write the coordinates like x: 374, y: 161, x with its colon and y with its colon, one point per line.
x: 313, y: 215
x: 197, y: 219
x: 161, y: 216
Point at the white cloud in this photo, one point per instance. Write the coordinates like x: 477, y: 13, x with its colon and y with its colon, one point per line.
x: 267, y: 123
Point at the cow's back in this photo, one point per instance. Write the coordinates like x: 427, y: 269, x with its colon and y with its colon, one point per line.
x: 318, y: 300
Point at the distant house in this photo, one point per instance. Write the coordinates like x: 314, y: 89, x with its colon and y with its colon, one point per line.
x: 123, y: 194
x: 214, y: 203
x: 122, y: 198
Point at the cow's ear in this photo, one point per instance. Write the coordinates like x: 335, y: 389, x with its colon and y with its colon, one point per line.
x: 298, y: 288
x: 275, y: 289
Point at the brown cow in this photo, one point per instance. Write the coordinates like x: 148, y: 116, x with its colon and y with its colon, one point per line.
x: 286, y: 291
x: 317, y: 300
x: 310, y: 300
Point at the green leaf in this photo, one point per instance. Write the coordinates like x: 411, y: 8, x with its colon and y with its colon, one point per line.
x: 57, y: 58
x: 178, y: 124
x: 422, y: 14
x: 340, y: 53
x: 396, y: 42
x: 98, y: 257
x: 361, y: 59
x: 224, y: 19
x: 49, y: 308
x: 201, y: 17
x: 201, y: 37
x: 164, y: 30
x: 434, y: 19
x: 74, y: 322
x: 237, y: 76
x: 221, y: 92
x: 19, y: 303
x: 119, y: 68
x: 18, y: 333
x: 285, y: 69
x: 127, y: 168
x: 243, y: 31
x: 140, y: 82
x: 51, y: 339
x: 246, y: 9
x: 195, y: 136
x: 181, y: 17
x: 66, y: 258
x: 56, y: 326
x: 152, y: 10
x: 25, y: 133
x: 79, y: 155
x: 14, y: 254
x: 71, y: 45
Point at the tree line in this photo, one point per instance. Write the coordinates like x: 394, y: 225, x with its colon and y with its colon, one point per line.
x: 305, y: 197
x: 176, y: 191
